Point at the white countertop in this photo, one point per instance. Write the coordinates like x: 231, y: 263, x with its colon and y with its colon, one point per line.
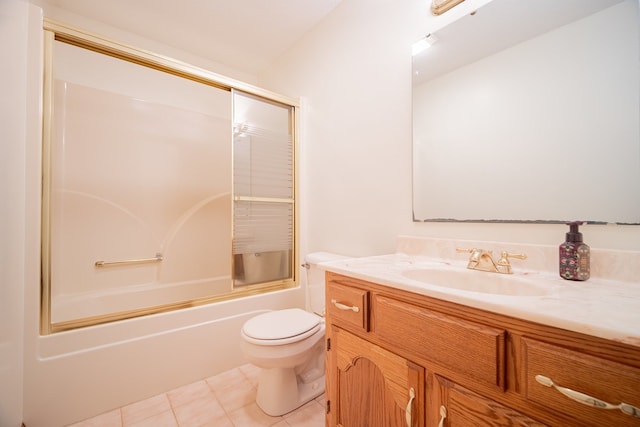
x: 600, y: 307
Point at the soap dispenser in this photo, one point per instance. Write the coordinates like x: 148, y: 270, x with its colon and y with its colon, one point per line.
x: 574, y: 255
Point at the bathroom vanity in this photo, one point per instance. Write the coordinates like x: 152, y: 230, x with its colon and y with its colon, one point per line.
x: 403, y: 352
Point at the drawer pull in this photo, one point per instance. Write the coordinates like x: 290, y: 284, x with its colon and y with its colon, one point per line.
x: 408, y: 413
x: 585, y: 399
x: 345, y: 307
x: 443, y: 416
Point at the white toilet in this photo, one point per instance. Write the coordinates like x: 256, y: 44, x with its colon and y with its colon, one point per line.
x: 289, y: 347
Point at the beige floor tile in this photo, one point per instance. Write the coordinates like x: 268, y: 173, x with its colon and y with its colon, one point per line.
x: 139, y: 411
x: 164, y: 419
x: 252, y: 373
x: 226, y: 379
x: 217, y: 422
x: 108, y: 419
x: 310, y: 415
x: 199, y: 412
x: 252, y: 416
x: 225, y: 400
x: 189, y: 393
x: 234, y: 395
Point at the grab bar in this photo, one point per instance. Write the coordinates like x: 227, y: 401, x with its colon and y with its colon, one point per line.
x: 157, y: 258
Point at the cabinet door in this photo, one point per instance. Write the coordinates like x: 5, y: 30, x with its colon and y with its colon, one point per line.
x: 464, y: 408
x: 373, y: 387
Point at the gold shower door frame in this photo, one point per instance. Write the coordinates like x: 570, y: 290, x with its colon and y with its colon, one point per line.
x: 54, y: 31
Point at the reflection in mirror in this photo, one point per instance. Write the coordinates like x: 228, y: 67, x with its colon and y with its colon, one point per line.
x: 528, y: 111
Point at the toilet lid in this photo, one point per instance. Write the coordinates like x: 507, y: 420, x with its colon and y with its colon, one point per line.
x: 280, y: 324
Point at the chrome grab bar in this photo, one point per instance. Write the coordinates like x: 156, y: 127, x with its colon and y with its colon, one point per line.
x: 157, y: 258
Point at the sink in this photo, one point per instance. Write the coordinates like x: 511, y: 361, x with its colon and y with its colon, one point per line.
x: 477, y: 281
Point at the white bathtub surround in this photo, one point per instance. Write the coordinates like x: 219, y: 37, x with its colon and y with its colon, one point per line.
x: 607, y: 305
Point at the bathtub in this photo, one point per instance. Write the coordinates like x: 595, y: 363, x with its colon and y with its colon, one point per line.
x: 69, y: 307
x: 84, y: 372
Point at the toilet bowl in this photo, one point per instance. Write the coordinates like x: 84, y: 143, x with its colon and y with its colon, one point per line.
x: 289, y: 347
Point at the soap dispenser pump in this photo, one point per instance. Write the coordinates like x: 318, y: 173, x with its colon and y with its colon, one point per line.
x: 574, y: 255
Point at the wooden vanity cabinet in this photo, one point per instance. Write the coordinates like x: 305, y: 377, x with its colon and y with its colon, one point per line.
x: 392, y: 352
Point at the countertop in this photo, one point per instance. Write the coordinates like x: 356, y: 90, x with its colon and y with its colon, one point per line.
x: 599, y: 307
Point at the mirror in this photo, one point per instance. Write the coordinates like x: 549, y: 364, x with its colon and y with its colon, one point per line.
x: 529, y: 111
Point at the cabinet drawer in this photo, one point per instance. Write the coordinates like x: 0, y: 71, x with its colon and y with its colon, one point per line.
x: 600, y: 378
x: 468, y: 348
x: 465, y: 408
x: 347, y: 306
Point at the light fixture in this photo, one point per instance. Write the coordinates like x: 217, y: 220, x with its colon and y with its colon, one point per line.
x: 422, y: 44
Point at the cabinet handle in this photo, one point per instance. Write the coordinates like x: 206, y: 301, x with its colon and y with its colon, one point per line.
x: 345, y: 307
x: 408, y: 413
x: 585, y: 399
x: 443, y: 415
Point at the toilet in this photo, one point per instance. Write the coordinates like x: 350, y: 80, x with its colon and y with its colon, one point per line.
x: 288, y: 346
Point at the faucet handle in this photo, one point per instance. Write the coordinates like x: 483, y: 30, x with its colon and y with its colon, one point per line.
x: 475, y: 253
x: 504, y: 257
x: 503, y: 264
x: 474, y: 258
x: 465, y: 250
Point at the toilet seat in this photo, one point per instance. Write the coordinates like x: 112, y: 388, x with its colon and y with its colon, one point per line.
x: 281, y: 327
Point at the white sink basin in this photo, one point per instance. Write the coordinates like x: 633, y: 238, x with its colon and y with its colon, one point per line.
x: 477, y: 281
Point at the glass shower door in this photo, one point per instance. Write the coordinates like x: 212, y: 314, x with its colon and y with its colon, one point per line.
x: 264, y: 192
x: 139, y: 194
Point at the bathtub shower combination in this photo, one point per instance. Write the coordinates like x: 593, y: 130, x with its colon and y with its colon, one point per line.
x: 161, y: 189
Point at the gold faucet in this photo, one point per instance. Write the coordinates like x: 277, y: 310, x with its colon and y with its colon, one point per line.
x: 482, y: 260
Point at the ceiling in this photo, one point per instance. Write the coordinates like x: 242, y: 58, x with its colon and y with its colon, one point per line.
x: 246, y: 35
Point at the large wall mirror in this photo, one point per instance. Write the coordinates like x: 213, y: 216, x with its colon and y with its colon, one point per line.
x: 529, y: 111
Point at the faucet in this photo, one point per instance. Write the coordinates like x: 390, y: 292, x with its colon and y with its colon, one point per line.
x: 482, y: 260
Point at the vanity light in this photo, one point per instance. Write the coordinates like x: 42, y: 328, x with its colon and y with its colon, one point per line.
x: 422, y: 44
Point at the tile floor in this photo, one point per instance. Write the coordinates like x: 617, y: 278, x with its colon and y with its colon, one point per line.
x: 224, y: 400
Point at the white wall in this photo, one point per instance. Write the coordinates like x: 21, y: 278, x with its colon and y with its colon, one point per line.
x: 13, y: 86
x: 121, y: 36
x: 354, y: 73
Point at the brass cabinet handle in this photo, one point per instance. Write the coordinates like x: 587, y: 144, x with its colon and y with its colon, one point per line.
x: 408, y: 413
x: 585, y: 399
x: 345, y: 307
x: 443, y: 415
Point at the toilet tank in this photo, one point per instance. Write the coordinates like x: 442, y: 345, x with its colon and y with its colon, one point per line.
x: 315, y: 279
